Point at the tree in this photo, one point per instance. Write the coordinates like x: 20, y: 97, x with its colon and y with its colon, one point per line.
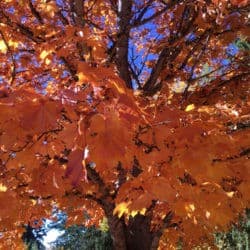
x: 73, y: 237
x: 237, y: 237
x: 82, y: 238
x: 38, y: 238
x: 165, y: 163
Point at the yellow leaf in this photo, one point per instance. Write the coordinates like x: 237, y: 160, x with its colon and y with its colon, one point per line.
x: 134, y: 213
x: 13, y: 44
x: 47, y: 7
x: 121, y: 208
x: 190, y: 207
x: 189, y: 107
x: 179, y: 86
x: 118, y: 87
x: 3, y: 47
x: 47, y: 61
x: 44, y: 54
x: 33, y: 201
x: 208, y: 214
x: 3, y: 188
x: 230, y: 194
x: 143, y: 211
x: 82, y: 77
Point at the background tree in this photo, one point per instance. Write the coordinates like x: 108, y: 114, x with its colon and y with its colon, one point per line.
x: 73, y: 237
x: 237, y: 237
x: 169, y: 161
x: 31, y: 240
x: 78, y: 237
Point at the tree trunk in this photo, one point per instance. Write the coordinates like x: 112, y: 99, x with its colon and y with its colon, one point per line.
x: 138, y: 235
x: 116, y: 228
x: 134, y: 236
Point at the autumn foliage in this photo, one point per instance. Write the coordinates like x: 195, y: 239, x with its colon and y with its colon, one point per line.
x: 133, y: 110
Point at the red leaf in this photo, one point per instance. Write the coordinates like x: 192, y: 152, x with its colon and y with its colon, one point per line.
x: 76, y: 166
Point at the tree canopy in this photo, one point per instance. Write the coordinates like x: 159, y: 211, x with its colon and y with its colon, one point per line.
x: 136, y: 110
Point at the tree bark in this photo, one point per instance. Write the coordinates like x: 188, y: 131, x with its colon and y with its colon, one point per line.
x: 122, y: 44
x: 135, y: 235
x: 116, y: 228
x: 138, y: 235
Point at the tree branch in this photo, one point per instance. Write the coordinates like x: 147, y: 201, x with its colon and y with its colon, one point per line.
x: 71, y: 68
x: 122, y: 43
x: 222, y: 83
x: 197, y: 58
x: 18, y: 27
x: 13, y: 71
x: 240, y: 125
x: 96, y: 179
x: 195, y: 47
x: 35, y: 12
x: 215, y: 85
x: 168, y: 54
x: 139, y: 21
x: 77, y: 12
x: 142, y: 13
